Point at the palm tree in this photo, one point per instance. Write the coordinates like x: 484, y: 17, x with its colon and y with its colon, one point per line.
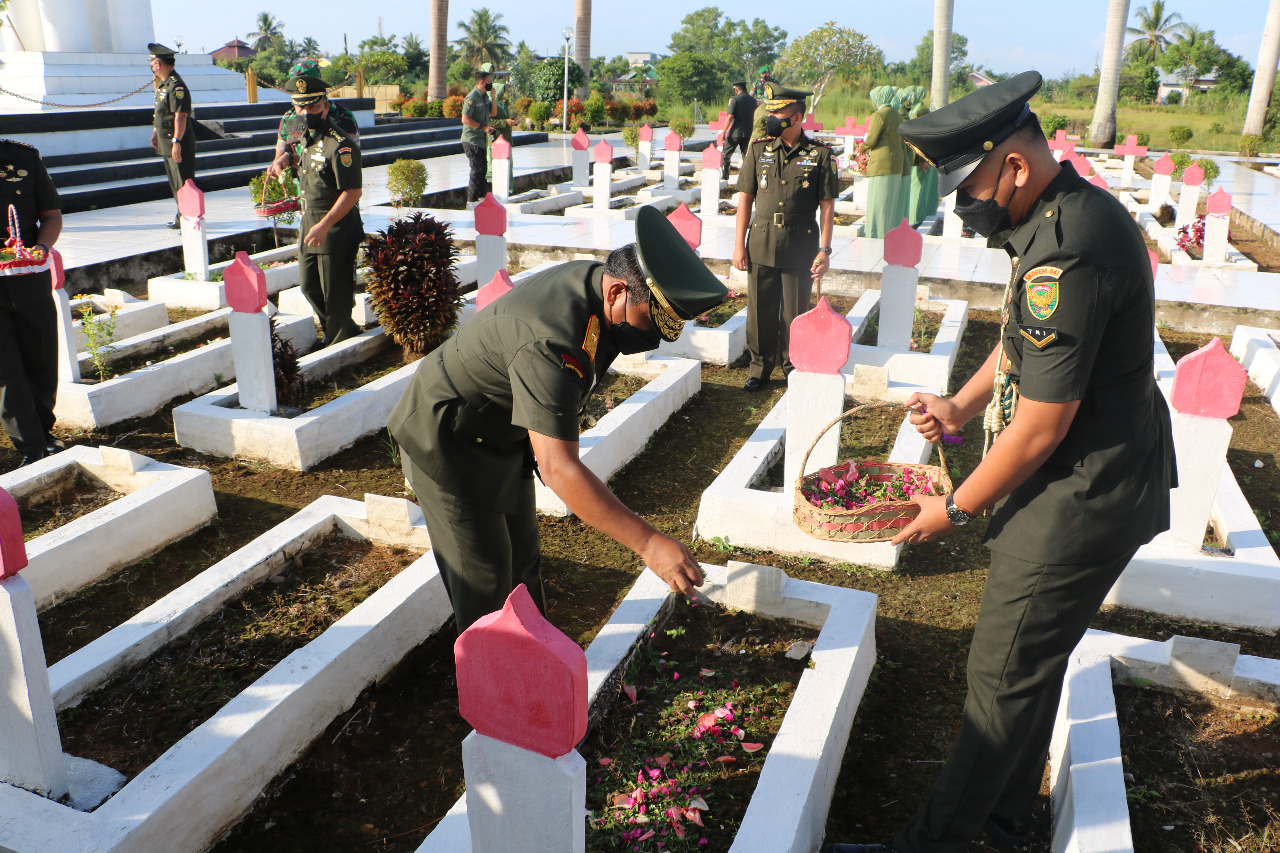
x: 1102, y: 130
x: 438, y: 69
x: 310, y: 48
x: 942, y: 21
x: 292, y: 51
x: 1155, y: 30
x: 1265, y: 78
x: 582, y: 43
x: 484, y: 39
x: 268, y: 30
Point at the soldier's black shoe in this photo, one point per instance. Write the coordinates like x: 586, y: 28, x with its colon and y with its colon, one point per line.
x: 754, y: 384
x: 29, y: 458
x: 1007, y: 836
x: 53, y: 445
x: 887, y: 847
x: 175, y: 224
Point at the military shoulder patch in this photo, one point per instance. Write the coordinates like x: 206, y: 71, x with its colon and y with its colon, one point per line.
x: 1042, y: 291
x: 591, y: 340
x: 1041, y: 336
x: 344, y: 155
x: 760, y: 139
x: 571, y: 363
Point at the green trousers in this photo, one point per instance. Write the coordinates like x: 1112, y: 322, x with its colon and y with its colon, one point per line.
x: 328, y: 283
x: 482, y: 555
x: 1032, y: 618
x: 775, y: 297
x: 882, y: 205
x: 179, y: 173
x: 924, y: 194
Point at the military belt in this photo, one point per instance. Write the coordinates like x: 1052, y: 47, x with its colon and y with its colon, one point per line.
x: 781, y: 220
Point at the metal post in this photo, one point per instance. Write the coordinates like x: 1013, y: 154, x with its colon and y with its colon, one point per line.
x: 567, y: 32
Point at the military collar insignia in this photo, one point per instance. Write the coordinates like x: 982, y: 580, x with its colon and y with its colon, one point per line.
x: 1041, y: 336
x: 591, y: 340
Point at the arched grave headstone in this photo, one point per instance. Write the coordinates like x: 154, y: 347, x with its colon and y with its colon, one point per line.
x: 500, y: 286
x: 245, y: 285
x: 603, y: 174
x: 688, y: 224
x: 1216, y: 225
x: 672, y: 146
x: 644, y: 148
x: 491, y: 239
x: 195, y: 244
x: 820, y: 341
x: 501, y: 149
x: 1161, y: 182
x: 1189, y: 198
x: 581, y: 144
x: 903, y: 247
x: 712, y: 161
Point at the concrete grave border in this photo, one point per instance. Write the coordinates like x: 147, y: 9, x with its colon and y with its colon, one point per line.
x: 788, y: 809
x: 162, y: 503
x: 1167, y: 577
x: 160, y: 337
x: 911, y: 371
x: 1257, y: 349
x: 1091, y: 812
x: 1167, y: 239
x: 133, y: 316
x: 147, y: 389
x: 721, y: 345
x: 622, y: 433
x: 202, y: 785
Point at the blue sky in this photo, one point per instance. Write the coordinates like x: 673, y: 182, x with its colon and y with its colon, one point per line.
x: 1007, y: 35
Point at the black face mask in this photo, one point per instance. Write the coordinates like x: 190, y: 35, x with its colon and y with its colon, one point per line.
x: 488, y: 87
x: 984, y: 216
x: 773, y: 125
x: 315, y: 121
x: 631, y: 340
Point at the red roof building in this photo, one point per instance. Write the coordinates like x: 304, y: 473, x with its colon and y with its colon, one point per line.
x: 234, y: 49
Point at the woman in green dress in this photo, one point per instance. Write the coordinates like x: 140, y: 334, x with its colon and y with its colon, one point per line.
x: 903, y: 100
x: 883, y: 147
x: 924, y: 178
x: 502, y: 123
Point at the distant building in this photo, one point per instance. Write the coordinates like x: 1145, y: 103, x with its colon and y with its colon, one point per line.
x: 979, y: 80
x: 234, y: 49
x: 1171, y: 83
x: 639, y: 60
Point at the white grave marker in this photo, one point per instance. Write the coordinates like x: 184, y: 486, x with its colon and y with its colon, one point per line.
x: 246, y: 289
x: 644, y: 149
x: 603, y: 177
x: 815, y: 389
x: 68, y: 360
x: 1189, y: 200
x: 491, y: 240
x: 1216, y: 226
x: 195, y: 243
x: 1161, y: 183
x: 902, y: 250
x: 581, y: 159
x: 671, y: 161
x: 501, y: 170
x: 712, y: 160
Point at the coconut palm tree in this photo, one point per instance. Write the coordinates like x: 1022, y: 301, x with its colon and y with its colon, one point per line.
x: 942, y: 20
x: 310, y: 48
x: 582, y: 43
x: 1155, y: 31
x: 1265, y: 78
x: 438, y: 68
x: 484, y: 39
x: 1102, y: 130
x: 269, y: 28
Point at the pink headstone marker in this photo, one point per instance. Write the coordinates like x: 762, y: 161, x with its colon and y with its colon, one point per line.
x: 246, y: 285
x: 521, y: 681
x: 1131, y: 147
x: 501, y: 149
x: 603, y: 153
x: 1155, y: 262
x: 501, y: 285
x: 190, y: 200
x: 1193, y: 176
x: 491, y: 217
x: 712, y: 158
x: 688, y: 224
x: 1069, y: 150
x: 820, y: 340
x: 580, y: 141
x: 646, y: 133
x: 1209, y: 382
x: 1099, y: 181
x: 903, y: 246
x: 810, y: 123
x: 1219, y: 203
x: 720, y: 123
x: 1059, y: 141
x: 56, y: 269
x: 1083, y: 167
x: 673, y: 141
x: 1165, y: 165
x: 13, y: 549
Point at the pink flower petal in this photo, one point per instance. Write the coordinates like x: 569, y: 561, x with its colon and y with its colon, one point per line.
x: 752, y: 747
x: 708, y: 719
x: 707, y: 672
x: 605, y: 762
x: 692, y: 703
x: 727, y: 759
x: 721, y: 712
x: 630, y: 690
x: 699, y: 803
x: 647, y: 836
x: 694, y: 816
x: 663, y: 760
x: 679, y: 830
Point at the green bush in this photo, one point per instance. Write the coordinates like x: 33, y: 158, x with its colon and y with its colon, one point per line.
x: 435, y: 109
x: 415, y: 108
x: 593, y: 111
x: 1180, y: 134
x: 1173, y: 98
x: 412, y: 283
x: 453, y: 106
x: 617, y: 111
x: 406, y: 181
x: 1250, y: 145
x: 539, y: 112
x: 1217, y: 127
x: 522, y: 106
x: 631, y: 138
x: 1053, y: 122
x: 1211, y: 170
x: 1122, y: 137
x: 682, y: 127
x: 1181, y: 160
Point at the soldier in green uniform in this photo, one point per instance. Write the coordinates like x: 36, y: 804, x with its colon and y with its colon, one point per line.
x: 293, y: 123
x: 478, y: 109
x: 173, y: 133
x: 331, y: 231
x: 737, y: 135
x: 789, y: 178
x: 28, y: 318
x: 1080, y: 471
x: 758, y: 89
x: 503, y: 396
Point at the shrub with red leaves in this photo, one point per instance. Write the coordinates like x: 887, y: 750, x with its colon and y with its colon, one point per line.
x: 412, y: 282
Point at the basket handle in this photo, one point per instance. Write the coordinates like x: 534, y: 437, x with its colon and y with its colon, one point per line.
x: 804, y: 463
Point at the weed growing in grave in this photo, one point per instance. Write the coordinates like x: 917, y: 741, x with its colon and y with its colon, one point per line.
x: 722, y: 544
x: 99, y: 332
x: 393, y: 449
x: 290, y: 383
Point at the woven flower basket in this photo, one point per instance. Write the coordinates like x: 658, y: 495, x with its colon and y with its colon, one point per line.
x: 17, y: 259
x: 878, y: 522
x: 276, y: 208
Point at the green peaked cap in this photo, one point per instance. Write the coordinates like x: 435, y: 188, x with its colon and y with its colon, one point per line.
x: 680, y: 285
x: 159, y: 51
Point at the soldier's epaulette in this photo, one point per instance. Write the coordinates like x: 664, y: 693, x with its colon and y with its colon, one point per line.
x: 764, y: 139
x: 338, y: 135
x: 826, y: 145
x: 16, y: 142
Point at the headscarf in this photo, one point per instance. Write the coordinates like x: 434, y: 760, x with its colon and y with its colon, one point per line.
x: 896, y: 102
x: 881, y: 96
x: 920, y: 94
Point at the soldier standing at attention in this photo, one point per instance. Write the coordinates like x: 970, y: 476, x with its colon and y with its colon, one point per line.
x: 28, y: 318
x: 1079, y: 474
x: 293, y: 123
x: 173, y: 134
x: 331, y: 230
x: 758, y: 90
x: 742, y: 109
x: 502, y: 398
x: 790, y: 178
x: 477, y: 111
x: 761, y: 116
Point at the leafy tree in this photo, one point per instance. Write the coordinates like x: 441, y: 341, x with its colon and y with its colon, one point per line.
x: 1139, y: 82
x: 272, y: 63
x: 604, y: 71
x: 736, y: 47
x: 310, y: 48
x: 1155, y: 31
x: 461, y: 74
x: 484, y: 39
x: 1197, y: 54
x: 920, y: 68
x: 381, y: 66
x: 1234, y: 74
x: 268, y: 28
x: 373, y: 43
x: 520, y: 80
x: 827, y: 53
x: 416, y: 58
x: 548, y: 79
x: 685, y: 77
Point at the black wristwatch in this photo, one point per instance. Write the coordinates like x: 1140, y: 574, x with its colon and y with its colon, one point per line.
x: 826, y: 249
x: 955, y: 514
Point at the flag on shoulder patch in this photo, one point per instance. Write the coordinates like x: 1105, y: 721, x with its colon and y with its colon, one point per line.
x: 344, y: 154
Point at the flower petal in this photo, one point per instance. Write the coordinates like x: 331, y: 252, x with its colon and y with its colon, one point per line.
x: 630, y: 690
x: 752, y: 747
x: 707, y: 672
x: 726, y: 759
x: 605, y: 762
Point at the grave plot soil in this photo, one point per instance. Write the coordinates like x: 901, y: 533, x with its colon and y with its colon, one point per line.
x: 120, y: 367
x: 1202, y: 776
x: 80, y: 498
x: 710, y: 685
x: 924, y: 330
x: 612, y: 389
x: 718, y: 316
x: 131, y: 721
x: 317, y: 392
x: 178, y: 315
